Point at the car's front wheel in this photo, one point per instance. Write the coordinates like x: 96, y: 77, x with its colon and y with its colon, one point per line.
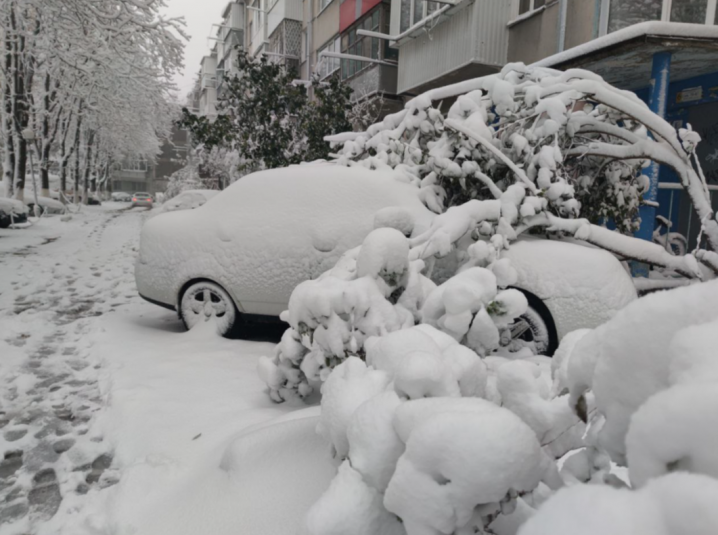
x: 205, y: 301
x: 534, y: 329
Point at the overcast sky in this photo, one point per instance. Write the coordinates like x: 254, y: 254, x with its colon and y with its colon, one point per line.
x: 199, y: 15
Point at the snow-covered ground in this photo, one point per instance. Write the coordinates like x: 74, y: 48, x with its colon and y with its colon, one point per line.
x: 106, y: 405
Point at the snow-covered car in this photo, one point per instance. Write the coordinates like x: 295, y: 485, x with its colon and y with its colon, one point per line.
x: 12, y: 211
x: 188, y: 200
x: 121, y: 196
x: 245, y: 250
x: 48, y: 205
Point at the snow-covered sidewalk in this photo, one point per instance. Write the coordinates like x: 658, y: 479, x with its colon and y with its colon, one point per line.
x: 106, y: 406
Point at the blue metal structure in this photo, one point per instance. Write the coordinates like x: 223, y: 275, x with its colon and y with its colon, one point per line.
x: 658, y: 103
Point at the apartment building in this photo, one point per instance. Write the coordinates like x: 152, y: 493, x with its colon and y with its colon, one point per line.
x: 274, y: 28
x: 222, y: 59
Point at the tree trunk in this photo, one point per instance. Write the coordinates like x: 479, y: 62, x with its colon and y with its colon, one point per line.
x: 20, y: 167
x: 47, y: 137
x: 7, y: 129
x: 76, y: 149
x: 88, y: 167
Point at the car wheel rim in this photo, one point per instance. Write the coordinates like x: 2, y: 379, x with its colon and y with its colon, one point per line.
x: 205, y: 302
x: 530, y: 330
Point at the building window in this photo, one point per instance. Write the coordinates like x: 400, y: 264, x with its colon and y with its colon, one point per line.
x: 526, y: 6
x: 414, y: 11
x: 622, y: 14
x: 328, y: 66
x: 323, y: 4
x: 625, y: 14
x: 134, y: 163
x: 359, y: 45
x: 689, y: 11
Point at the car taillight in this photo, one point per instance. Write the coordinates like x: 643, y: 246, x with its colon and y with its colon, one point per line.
x: 134, y: 198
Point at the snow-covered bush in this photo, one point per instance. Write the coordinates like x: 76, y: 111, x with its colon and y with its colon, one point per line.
x: 568, y: 144
x: 438, y: 428
x: 377, y: 289
x: 654, y: 378
x: 434, y: 439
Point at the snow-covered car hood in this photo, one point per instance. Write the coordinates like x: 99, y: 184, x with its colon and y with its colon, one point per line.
x: 12, y: 206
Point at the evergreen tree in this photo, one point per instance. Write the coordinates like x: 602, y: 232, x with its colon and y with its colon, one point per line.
x: 268, y: 120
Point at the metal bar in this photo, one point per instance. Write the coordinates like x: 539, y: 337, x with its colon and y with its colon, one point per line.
x: 677, y: 185
x: 327, y: 54
x: 657, y: 101
x: 423, y: 22
x: 711, y: 12
x: 670, y: 208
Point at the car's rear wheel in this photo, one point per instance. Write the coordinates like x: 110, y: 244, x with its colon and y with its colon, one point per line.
x: 535, y: 329
x: 206, y: 301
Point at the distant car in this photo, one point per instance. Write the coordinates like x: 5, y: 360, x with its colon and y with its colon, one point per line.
x: 188, y: 200
x: 142, y: 199
x: 11, y: 212
x: 245, y: 250
x: 121, y: 196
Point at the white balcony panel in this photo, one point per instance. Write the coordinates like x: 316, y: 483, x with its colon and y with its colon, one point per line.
x: 283, y: 9
x: 476, y: 34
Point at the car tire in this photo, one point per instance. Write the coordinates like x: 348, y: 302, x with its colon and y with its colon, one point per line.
x: 208, y: 301
x: 537, y: 326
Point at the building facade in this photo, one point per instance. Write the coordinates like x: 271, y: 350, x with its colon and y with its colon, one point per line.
x: 392, y: 50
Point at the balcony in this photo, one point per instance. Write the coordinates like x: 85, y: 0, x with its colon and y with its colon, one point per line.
x: 450, y: 44
x: 374, y: 80
x: 208, y: 81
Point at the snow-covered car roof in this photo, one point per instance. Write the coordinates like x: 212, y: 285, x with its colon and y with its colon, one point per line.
x: 188, y: 200
x: 12, y: 205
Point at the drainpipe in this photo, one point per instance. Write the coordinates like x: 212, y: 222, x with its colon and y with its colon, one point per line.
x: 657, y: 102
x: 310, y: 45
x: 562, y: 11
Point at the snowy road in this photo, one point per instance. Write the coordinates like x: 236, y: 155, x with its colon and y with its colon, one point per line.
x: 105, y: 404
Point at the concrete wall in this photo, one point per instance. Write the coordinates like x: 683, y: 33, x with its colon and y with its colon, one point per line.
x: 537, y: 37
x: 326, y: 25
x: 581, y: 22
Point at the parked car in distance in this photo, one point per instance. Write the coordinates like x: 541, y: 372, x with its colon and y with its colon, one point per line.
x: 244, y: 251
x: 121, y: 196
x: 12, y: 212
x: 142, y: 199
x: 188, y: 200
